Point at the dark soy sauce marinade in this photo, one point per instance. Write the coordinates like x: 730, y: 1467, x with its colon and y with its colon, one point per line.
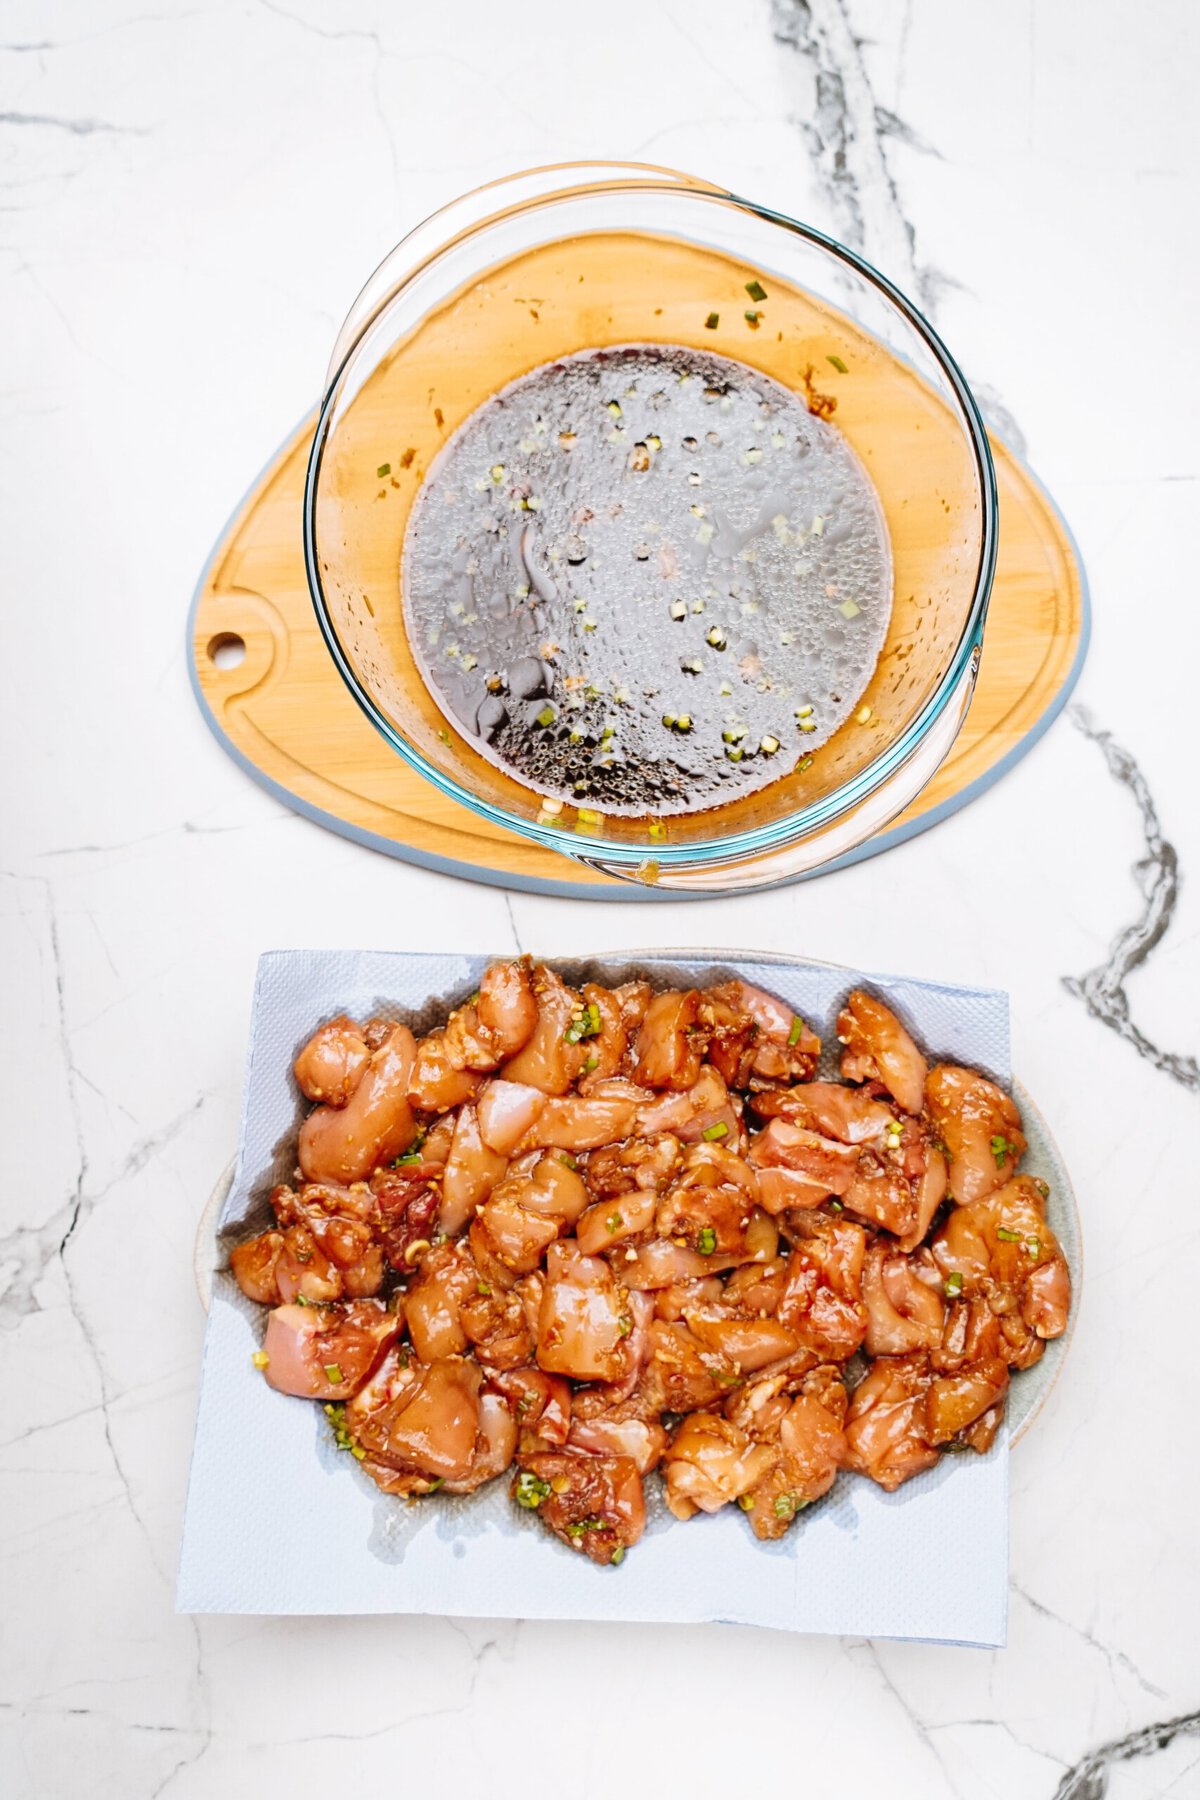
x: 644, y: 580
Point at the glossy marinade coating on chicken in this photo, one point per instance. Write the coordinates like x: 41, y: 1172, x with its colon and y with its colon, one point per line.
x: 575, y: 1236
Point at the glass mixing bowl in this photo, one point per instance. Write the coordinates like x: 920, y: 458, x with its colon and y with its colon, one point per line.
x: 574, y: 257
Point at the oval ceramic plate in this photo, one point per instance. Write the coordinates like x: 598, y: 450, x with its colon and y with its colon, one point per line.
x: 1030, y: 1387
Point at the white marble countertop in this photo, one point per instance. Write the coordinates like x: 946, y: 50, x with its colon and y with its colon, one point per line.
x: 192, y: 195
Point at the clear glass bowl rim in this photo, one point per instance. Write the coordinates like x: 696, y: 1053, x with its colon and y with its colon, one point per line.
x: 792, y: 827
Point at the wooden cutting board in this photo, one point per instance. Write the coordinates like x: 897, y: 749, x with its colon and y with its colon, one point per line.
x: 284, y: 714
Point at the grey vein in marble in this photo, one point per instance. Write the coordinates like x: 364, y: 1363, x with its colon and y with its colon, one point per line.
x: 846, y: 139
x: 1088, y: 1780
x: 1102, y: 989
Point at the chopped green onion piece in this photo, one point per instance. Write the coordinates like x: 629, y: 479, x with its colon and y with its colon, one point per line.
x: 624, y: 1325
x: 712, y: 321
x: 1006, y: 1236
x: 954, y: 1285
x: 838, y: 364
x: 1033, y: 1246
x: 752, y: 319
x: 835, y: 1206
x: 756, y: 290
x: 547, y: 716
x: 1002, y: 1150
x: 333, y: 1372
x: 435, y: 1484
x: 530, y: 1491
x: 613, y: 1223
x: 593, y: 1062
x: 706, y: 1243
x: 618, y: 1555
x: 712, y: 1134
x: 382, y: 470
x: 746, y: 1502
x: 785, y: 1507
x: 568, y: 1161
x: 796, y: 1033
x: 586, y: 1024
x: 484, y: 1288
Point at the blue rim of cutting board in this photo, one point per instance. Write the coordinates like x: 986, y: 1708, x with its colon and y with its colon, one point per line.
x: 629, y: 890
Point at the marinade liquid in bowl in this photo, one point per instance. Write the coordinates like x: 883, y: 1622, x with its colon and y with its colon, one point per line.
x: 645, y: 578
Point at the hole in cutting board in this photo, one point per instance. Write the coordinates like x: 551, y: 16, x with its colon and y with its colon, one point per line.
x: 226, y: 650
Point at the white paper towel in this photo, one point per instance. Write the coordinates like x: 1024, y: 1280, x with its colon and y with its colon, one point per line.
x: 278, y: 1521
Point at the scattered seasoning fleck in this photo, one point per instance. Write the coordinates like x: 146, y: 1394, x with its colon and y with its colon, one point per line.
x: 593, y: 1062
x: 624, y: 1325
x: 954, y: 1284
x: 712, y: 321
x: 756, y: 290
x: 835, y: 1206
x: 712, y: 1134
x: 838, y: 364
x: 706, y: 1243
